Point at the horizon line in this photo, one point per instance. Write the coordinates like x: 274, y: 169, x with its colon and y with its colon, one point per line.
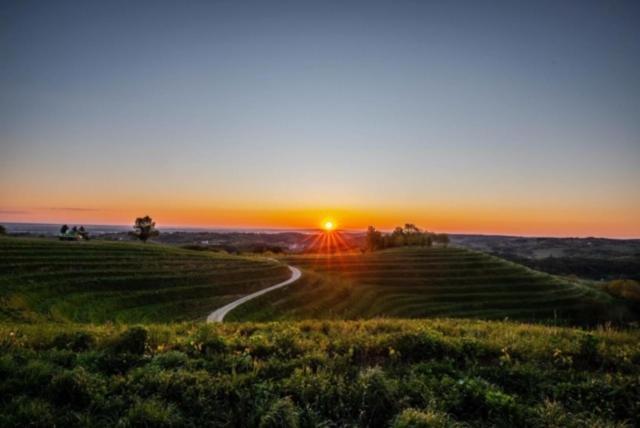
x: 254, y: 229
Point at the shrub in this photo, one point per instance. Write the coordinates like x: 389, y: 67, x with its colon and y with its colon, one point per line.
x: 70, y: 388
x: 77, y: 342
x: 171, y: 360
x: 214, y: 345
x: 151, y: 413
x: 27, y: 412
x: 282, y: 414
x: 377, y: 402
x: 624, y: 289
x: 588, y: 354
x: 110, y: 363
x: 418, y: 346
x: 133, y: 341
x: 412, y: 418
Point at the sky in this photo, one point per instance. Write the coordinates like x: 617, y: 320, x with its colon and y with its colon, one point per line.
x: 518, y: 118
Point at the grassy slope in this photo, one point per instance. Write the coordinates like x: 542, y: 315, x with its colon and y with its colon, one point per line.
x: 100, y: 281
x: 318, y: 373
x: 428, y: 282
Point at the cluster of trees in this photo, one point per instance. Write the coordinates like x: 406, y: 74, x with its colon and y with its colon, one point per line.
x: 74, y: 233
x: 409, y: 235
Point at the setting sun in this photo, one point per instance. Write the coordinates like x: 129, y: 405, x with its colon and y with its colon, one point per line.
x: 328, y: 226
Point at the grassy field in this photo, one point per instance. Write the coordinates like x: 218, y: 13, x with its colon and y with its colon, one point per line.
x: 430, y: 282
x: 376, y: 373
x: 61, y: 364
x: 127, y: 282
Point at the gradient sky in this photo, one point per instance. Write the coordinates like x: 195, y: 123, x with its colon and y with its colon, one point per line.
x: 491, y: 117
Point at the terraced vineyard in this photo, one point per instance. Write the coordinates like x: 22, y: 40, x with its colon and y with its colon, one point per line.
x: 429, y: 282
x: 128, y: 282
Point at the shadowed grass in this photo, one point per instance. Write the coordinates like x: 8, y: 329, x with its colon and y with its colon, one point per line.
x: 127, y: 282
x: 430, y: 282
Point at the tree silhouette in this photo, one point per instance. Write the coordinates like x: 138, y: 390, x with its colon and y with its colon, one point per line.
x: 144, y: 228
x: 373, y: 239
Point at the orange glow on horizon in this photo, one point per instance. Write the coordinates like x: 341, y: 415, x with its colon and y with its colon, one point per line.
x: 471, y: 219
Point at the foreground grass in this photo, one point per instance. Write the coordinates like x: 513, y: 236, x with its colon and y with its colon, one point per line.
x: 44, y: 279
x: 375, y: 373
x: 431, y: 282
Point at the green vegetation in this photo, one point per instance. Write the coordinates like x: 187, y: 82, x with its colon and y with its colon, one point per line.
x: 430, y: 282
x: 625, y: 289
x: 409, y: 235
x: 316, y: 373
x: 376, y: 373
x: 144, y: 228
x: 128, y: 282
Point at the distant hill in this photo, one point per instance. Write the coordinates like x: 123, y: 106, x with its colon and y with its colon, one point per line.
x: 431, y: 282
x: 592, y: 258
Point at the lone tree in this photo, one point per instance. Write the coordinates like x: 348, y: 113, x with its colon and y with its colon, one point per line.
x: 144, y: 228
x: 373, y: 239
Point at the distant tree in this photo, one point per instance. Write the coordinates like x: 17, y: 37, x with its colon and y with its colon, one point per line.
x: 83, y: 233
x: 144, y: 228
x: 410, y: 228
x: 373, y: 240
x: 398, y: 237
x: 64, y: 229
x: 3, y: 230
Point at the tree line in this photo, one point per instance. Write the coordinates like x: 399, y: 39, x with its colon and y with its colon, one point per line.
x: 409, y: 235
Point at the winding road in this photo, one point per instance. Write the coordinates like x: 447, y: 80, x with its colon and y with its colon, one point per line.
x: 219, y: 314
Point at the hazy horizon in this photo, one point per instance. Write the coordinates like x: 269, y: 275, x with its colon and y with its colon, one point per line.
x: 469, y: 117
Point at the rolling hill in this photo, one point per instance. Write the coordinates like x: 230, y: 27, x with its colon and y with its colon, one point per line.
x: 43, y: 279
x: 430, y: 282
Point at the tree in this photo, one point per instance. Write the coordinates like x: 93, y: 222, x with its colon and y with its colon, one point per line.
x: 64, y: 229
x: 373, y: 239
x: 398, y: 237
x: 3, y: 230
x: 83, y: 233
x: 144, y: 228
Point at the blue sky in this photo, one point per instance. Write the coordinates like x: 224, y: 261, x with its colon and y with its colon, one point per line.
x: 203, y: 112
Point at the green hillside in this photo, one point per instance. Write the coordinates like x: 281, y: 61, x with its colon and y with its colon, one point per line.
x: 390, y: 373
x: 429, y: 282
x: 99, y: 281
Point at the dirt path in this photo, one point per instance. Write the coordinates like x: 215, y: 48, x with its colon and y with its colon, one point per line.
x: 219, y: 314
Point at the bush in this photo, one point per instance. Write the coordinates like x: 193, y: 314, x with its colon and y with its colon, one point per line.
x: 625, y: 289
x: 418, y: 346
x: 377, y: 402
x: 77, y: 342
x: 171, y: 360
x: 70, y: 388
x: 588, y: 354
x: 214, y: 345
x: 151, y: 414
x: 133, y: 341
x: 27, y: 412
x: 282, y: 414
x: 412, y: 418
